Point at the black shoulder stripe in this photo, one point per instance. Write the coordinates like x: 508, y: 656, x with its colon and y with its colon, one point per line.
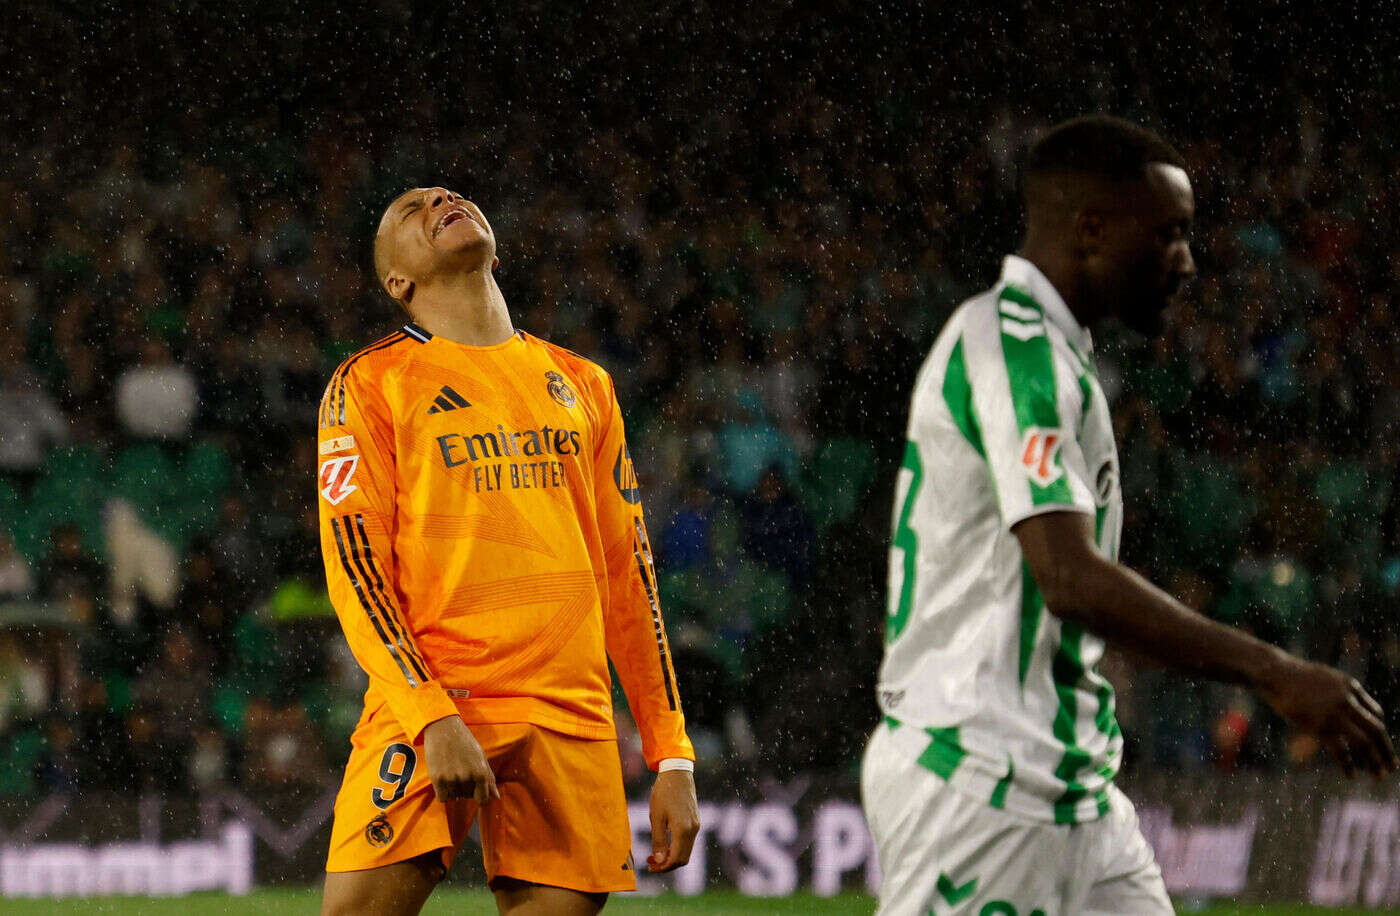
x: 327, y: 412
x: 335, y: 399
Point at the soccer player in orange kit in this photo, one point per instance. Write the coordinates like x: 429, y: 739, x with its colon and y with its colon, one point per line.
x: 481, y: 526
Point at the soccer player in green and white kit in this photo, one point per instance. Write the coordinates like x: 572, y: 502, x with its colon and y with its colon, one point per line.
x: 989, y: 784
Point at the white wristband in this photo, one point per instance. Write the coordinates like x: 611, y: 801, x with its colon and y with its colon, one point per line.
x: 676, y: 763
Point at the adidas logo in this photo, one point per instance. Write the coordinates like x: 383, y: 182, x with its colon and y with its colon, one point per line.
x: 447, y: 400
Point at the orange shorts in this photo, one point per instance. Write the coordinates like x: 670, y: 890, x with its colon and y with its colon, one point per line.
x: 561, y: 819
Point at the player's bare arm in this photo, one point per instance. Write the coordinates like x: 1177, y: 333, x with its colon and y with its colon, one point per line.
x: 456, y: 763
x: 1082, y: 586
x: 675, y: 820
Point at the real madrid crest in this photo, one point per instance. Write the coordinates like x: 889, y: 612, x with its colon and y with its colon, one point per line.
x: 379, y: 831
x: 559, y: 389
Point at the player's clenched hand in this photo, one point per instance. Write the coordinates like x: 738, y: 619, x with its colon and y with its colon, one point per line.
x: 1325, y: 702
x: 456, y: 763
x: 675, y: 820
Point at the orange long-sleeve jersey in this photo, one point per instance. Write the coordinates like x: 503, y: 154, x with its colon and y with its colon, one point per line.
x: 481, y: 526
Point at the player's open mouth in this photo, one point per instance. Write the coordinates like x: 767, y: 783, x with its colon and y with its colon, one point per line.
x: 448, y: 218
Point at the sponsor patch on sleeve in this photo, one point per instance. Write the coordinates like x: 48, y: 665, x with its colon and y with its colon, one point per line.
x: 338, y: 444
x: 625, y: 476
x: 1040, y: 449
x: 335, y: 478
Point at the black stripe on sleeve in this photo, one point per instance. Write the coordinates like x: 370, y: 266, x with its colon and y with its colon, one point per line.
x: 364, y: 557
x: 638, y: 547
x: 364, y: 601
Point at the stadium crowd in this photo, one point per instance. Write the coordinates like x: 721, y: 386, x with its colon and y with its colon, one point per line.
x: 761, y: 274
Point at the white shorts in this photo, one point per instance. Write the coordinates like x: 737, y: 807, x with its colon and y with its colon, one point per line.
x: 945, y: 853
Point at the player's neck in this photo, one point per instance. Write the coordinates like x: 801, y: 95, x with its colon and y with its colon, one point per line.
x: 467, y: 308
x: 1058, y: 268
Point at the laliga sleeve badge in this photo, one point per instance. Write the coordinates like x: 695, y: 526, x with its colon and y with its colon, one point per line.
x: 1040, y: 451
x: 559, y: 389
x: 335, y: 477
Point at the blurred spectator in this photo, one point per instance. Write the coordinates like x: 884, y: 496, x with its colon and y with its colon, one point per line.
x: 235, y: 544
x: 16, y: 579
x: 777, y: 531
x: 143, y: 565
x: 59, y: 769
x: 282, y: 748
x: 685, y: 542
x: 30, y: 420
x: 155, y: 761
x: 69, y: 573
x: 173, y: 687
x: 748, y: 443
x: 24, y: 688
x: 157, y: 398
x: 209, y: 760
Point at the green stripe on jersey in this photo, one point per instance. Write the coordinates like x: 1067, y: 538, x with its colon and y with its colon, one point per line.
x: 1106, y: 722
x: 1032, y: 611
x: 998, y: 799
x: 1084, y: 374
x: 1067, y: 670
x: 944, y: 752
x: 906, y: 541
x: 1021, y: 299
x: 957, y: 394
x: 1030, y: 370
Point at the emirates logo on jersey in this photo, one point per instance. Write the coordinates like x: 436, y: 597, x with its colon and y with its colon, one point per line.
x: 335, y: 478
x: 1040, y: 452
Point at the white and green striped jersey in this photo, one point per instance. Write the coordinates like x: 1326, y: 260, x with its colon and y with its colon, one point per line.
x: 984, y: 686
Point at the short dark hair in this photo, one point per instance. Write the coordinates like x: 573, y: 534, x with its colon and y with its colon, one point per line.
x: 1099, y: 145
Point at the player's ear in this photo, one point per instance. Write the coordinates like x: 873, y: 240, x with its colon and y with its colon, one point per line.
x: 495, y: 262
x: 1089, y: 225
x: 399, y: 287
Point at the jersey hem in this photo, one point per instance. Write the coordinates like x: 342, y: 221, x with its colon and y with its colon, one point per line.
x: 976, y: 783
x: 409, y: 851
x: 531, y: 711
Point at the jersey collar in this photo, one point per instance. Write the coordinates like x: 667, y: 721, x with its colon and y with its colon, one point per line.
x: 1017, y: 271
x: 417, y: 333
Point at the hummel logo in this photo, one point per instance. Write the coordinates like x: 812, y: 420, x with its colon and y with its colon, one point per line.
x: 448, y: 400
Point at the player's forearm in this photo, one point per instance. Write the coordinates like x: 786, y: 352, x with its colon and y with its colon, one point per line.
x: 653, y: 698
x: 1124, y: 609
